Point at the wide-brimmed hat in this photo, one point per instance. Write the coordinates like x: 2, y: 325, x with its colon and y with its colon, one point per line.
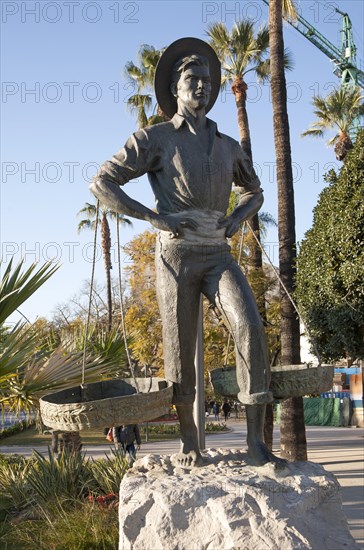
x: 163, y: 74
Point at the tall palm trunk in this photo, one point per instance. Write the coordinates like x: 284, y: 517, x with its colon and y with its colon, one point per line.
x: 293, y: 435
x: 343, y: 146
x: 106, y: 248
x: 239, y: 88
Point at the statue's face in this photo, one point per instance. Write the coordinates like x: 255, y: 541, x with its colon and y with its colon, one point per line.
x: 194, y: 87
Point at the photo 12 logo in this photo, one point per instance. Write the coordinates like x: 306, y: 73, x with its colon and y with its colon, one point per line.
x: 69, y: 92
x: 229, y: 12
x: 70, y: 12
x: 49, y: 172
x: 52, y: 251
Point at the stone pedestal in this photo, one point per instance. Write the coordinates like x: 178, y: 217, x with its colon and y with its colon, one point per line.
x: 230, y: 505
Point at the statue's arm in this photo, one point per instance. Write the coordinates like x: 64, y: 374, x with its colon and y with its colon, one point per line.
x: 114, y: 198
x: 137, y: 157
x: 130, y: 162
x: 251, y: 194
x: 117, y: 200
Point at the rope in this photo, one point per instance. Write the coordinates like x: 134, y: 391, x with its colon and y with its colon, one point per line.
x: 122, y: 308
x: 290, y: 298
x: 90, y: 297
x: 239, y: 260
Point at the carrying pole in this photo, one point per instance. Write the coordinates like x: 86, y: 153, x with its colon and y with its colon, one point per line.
x: 199, y: 406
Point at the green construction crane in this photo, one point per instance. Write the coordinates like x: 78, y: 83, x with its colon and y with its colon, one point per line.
x: 344, y: 60
x: 350, y: 74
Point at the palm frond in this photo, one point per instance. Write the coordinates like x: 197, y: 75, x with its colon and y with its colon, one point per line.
x: 338, y: 109
x: 63, y: 369
x: 317, y: 132
x: 86, y: 224
x: 288, y: 61
x: 333, y: 140
x: 143, y: 76
x: 17, y: 286
x: 149, y: 58
x: 263, y: 70
x: 17, y: 347
x: 289, y: 10
x: 136, y: 76
x: 140, y: 103
x: 261, y: 43
x: 120, y: 217
x: 219, y: 39
x: 89, y: 210
x: 267, y: 219
x: 240, y: 51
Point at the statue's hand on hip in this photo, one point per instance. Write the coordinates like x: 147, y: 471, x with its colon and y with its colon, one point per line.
x: 231, y: 224
x: 173, y: 224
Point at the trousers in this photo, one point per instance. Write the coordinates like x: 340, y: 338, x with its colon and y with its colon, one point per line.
x: 183, y: 271
x: 130, y: 449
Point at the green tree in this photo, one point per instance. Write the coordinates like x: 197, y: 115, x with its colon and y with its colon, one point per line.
x: 142, y: 318
x: 92, y: 215
x: 293, y: 433
x: 337, y: 110
x: 330, y: 277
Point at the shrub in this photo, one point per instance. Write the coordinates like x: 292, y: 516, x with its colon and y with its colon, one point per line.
x: 161, y: 429
x: 66, y: 476
x: 16, y: 428
x: 14, y: 485
x: 78, y: 527
x: 216, y: 427
x: 108, y: 472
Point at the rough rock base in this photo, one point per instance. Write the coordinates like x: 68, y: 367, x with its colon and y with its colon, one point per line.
x: 228, y: 504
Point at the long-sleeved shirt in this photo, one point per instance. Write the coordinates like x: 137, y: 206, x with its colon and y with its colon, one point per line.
x: 126, y: 435
x: 183, y: 174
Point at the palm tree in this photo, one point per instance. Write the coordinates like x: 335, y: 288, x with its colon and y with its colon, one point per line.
x: 240, y: 53
x: 293, y: 434
x: 337, y: 110
x: 143, y: 75
x: 92, y: 215
x: 29, y: 368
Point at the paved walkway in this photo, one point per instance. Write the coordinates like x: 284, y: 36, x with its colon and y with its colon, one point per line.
x: 339, y: 450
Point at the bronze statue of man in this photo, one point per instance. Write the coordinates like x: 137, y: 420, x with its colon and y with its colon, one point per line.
x: 191, y: 167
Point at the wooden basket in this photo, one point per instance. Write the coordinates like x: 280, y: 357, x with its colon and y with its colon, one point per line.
x: 106, y: 404
x: 287, y: 381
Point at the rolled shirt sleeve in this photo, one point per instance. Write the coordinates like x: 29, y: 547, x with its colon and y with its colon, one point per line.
x: 244, y: 176
x: 138, y: 156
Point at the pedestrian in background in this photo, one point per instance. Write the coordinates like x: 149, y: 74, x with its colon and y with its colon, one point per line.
x: 226, y: 410
x: 216, y: 410
x: 125, y: 436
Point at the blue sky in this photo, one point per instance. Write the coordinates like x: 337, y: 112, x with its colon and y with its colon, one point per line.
x: 64, y: 113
